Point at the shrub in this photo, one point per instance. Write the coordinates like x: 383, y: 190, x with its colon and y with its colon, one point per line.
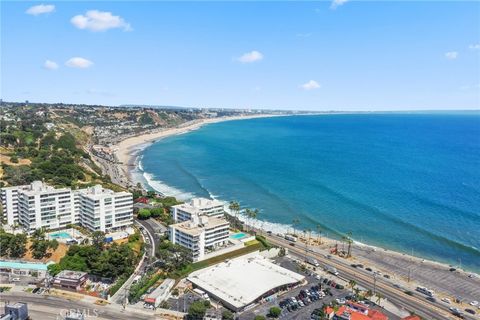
x: 274, y: 312
x: 144, y: 214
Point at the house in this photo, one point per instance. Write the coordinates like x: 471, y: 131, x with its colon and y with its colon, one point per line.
x: 70, y: 280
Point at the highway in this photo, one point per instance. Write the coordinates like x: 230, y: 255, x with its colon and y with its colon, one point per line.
x: 49, y: 307
x: 421, y: 306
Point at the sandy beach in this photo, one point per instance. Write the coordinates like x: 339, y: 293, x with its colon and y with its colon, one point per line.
x: 126, y: 150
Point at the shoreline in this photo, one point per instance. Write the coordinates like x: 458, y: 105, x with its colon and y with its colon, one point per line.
x: 379, y: 258
x: 127, y: 150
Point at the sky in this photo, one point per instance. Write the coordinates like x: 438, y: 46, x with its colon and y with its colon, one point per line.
x: 317, y: 55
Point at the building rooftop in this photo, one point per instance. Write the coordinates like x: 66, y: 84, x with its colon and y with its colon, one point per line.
x: 24, y: 265
x: 198, y: 204
x: 228, y: 282
x: 195, y: 228
x: 97, y: 191
x: 70, y: 275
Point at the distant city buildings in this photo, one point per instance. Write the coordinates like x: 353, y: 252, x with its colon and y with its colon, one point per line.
x: 198, y: 207
x: 38, y: 205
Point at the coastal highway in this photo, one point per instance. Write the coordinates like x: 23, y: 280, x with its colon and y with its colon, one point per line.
x: 50, y: 307
x: 365, y: 279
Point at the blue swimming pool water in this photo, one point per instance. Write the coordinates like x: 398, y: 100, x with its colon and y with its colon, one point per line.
x: 62, y: 235
x: 237, y: 236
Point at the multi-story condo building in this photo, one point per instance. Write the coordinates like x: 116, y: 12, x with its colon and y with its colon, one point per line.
x: 200, y: 234
x: 9, y: 197
x: 38, y: 205
x: 198, y: 206
x: 103, y: 209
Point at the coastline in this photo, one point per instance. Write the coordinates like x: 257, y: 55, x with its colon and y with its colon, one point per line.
x: 388, y: 261
x: 127, y: 150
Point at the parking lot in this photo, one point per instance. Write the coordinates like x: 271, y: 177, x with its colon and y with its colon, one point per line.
x: 318, y: 292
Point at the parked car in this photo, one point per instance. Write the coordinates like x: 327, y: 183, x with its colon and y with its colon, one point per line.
x: 35, y: 290
x: 446, y: 300
x: 368, y: 269
x: 470, y: 311
x: 474, y: 303
x: 16, y: 279
x: 431, y: 299
x: 386, y: 276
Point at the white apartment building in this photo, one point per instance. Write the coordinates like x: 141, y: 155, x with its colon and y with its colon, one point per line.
x: 103, y: 209
x: 199, y: 207
x: 38, y: 205
x: 9, y: 197
x: 200, y: 234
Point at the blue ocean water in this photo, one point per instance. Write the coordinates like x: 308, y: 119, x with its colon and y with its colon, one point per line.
x: 407, y: 182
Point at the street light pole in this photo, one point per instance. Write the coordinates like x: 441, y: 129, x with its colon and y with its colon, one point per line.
x: 374, y: 284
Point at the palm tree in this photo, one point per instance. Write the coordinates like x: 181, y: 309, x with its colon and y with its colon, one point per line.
x: 248, y: 215
x: 369, y: 293
x: 295, y: 222
x: 307, y: 241
x: 352, y: 284
x: 234, y: 207
x: 349, y: 241
x: 357, y: 291
x: 379, y: 298
x: 319, y: 231
x: 254, y: 215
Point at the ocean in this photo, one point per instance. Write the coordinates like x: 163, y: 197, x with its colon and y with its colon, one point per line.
x: 405, y: 182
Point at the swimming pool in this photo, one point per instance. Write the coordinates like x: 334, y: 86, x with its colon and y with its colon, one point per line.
x: 238, y: 236
x: 60, y: 235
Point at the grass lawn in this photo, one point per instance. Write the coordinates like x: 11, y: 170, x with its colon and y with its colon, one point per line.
x: 210, y: 262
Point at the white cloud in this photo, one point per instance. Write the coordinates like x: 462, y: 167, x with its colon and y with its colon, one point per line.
x: 474, y: 46
x: 452, y: 55
x: 304, y: 35
x: 78, y: 62
x: 40, y: 9
x: 337, y: 3
x: 251, y: 57
x: 95, y: 21
x: 310, y: 85
x: 50, y: 65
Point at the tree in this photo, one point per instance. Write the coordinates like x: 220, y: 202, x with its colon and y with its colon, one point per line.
x: 234, y: 207
x: 295, y: 222
x: 197, y: 310
x: 156, y: 212
x: 368, y: 294
x: 379, y: 298
x: 174, y: 256
x: 352, y: 284
x: 227, y: 315
x: 143, y: 214
x: 319, y: 231
x: 98, y: 239
x: 349, y: 240
x: 259, y: 317
x: 274, y: 312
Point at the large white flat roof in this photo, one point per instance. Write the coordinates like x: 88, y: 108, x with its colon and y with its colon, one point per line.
x: 240, y: 281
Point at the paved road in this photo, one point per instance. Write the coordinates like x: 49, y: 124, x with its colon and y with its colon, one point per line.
x: 365, y: 279
x: 120, y: 296
x: 49, y: 307
x: 152, y: 231
x: 432, y: 275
